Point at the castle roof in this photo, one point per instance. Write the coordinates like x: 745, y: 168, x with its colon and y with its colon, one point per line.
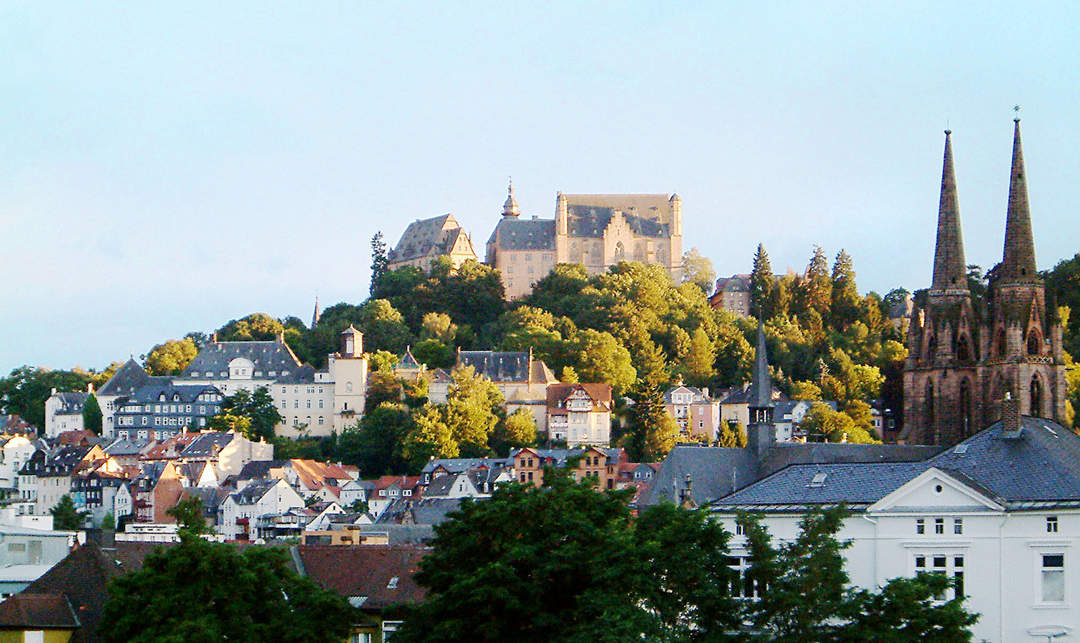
x: 428, y: 237
x: 524, y: 234
x: 267, y: 356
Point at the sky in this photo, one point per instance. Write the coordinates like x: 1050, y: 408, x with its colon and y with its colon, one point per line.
x: 166, y: 167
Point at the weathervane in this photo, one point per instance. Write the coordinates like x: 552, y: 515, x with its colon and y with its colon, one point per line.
x: 1016, y: 108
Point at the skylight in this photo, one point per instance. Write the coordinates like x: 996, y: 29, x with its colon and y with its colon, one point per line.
x: 960, y: 449
x: 819, y: 480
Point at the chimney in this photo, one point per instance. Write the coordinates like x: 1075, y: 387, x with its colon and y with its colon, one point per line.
x: 90, y: 387
x: 1010, y: 416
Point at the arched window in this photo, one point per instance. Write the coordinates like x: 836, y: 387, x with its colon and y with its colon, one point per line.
x: 965, y: 408
x: 620, y: 251
x: 348, y: 387
x: 931, y: 347
x: 963, y: 351
x: 1036, y: 397
x: 1033, y: 343
x: 1000, y: 343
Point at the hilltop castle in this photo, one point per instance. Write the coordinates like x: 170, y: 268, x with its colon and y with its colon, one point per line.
x: 965, y: 355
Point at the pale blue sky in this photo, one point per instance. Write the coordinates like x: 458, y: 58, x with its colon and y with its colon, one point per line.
x: 166, y: 168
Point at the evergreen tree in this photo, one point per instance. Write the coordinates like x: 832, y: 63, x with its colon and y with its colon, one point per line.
x: 379, y: 260
x: 66, y: 517
x: 652, y: 431
x: 815, y: 292
x: 845, y: 295
x: 92, y: 414
x: 762, y: 284
x: 699, y: 360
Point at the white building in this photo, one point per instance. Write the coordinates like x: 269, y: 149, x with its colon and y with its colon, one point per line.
x: 310, y: 402
x: 580, y: 414
x: 239, y: 514
x: 64, y: 411
x: 15, y: 453
x: 999, y: 514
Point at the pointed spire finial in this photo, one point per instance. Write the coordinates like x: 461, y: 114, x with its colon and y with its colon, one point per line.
x: 1016, y: 110
x: 950, y: 269
x: 510, y: 207
x: 316, y: 315
x: 1018, y: 260
x: 761, y: 383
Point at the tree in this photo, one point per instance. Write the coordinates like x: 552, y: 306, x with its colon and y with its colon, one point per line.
x: 598, y: 357
x: 816, y: 288
x: 249, y: 596
x: 92, y: 414
x: 383, y: 326
x: 382, y: 361
x: 732, y: 434
x: 375, y: 443
x: 762, y: 284
x: 429, y: 438
x: 803, y: 593
x: 515, y: 431
x: 379, y: 260
x: 652, y: 431
x: 66, y: 517
x: 699, y: 360
x: 434, y: 353
x: 833, y: 426
x: 438, y: 326
x: 108, y: 522
x: 254, y: 415
x: 26, y: 389
x: 172, y: 357
x: 698, y: 270
x: 845, y: 296
x: 254, y: 327
x: 188, y: 514
x: 474, y: 405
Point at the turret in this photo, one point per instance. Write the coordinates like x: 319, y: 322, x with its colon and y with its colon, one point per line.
x: 510, y: 207
x: 561, y: 215
x: 352, y: 342
x: 676, y: 214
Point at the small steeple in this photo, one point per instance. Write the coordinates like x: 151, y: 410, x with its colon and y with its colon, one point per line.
x: 761, y: 387
x: 950, y: 270
x: 1018, y: 262
x: 510, y: 207
x: 315, y: 315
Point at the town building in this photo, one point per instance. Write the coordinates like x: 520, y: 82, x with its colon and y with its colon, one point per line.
x: 240, y: 512
x: 425, y: 241
x: 160, y: 411
x: 696, y: 414
x: 732, y: 294
x: 579, y: 414
x: 965, y: 355
x: 522, y: 380
x: 597, y: 463
x: 595, y: 230
x: 64, y: 411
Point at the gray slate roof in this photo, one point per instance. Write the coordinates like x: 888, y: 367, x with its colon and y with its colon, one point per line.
x: 187, y: 393
x: 208, y: 444
x: 214, y: 358
x: 497, y: 366
x: 127, y: 378
x: 524, y: 234
x: 426, y: 237
x: 71, y: 402
x: 590, y: 222
x: 1042, y: 465
x: 457, y: 465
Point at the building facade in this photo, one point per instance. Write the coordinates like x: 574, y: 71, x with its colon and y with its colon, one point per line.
x: 426, y: 240
x: 158, y: 412
x: 595, y: 230
x: 966, y: 355
x: 579, y: 414
x: 64, y: 411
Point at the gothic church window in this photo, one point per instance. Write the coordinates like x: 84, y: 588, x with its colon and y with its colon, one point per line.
x: 1001, y: 343
x: 1033, y: 343
x: 1036, y: 397
x: 963, y: 351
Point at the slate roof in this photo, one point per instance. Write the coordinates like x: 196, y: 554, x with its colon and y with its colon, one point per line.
x: 71, y: 402
x: 1039, y: 467
x: 187, y: 393
x: 457, y: 465
x: 524, y: 234
x: 251, y: 494
x: 214, y: 358
x: 441, y: 485
x: 128, y: 378
x: 126, y: 447
x: 259, y: 469
x: 210, y: 497
x: 434, y: 236
x: 407, y: 360
x: 699, y: 395
x: 590, y: 222
x: 399, y: 534
x: 512, y: 366
x: 365, y: 571
x: 207, y: 444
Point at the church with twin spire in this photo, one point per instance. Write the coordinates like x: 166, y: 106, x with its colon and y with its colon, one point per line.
x: 965, y: 353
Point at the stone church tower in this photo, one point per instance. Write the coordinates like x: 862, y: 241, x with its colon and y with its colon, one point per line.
x: 964, y: 357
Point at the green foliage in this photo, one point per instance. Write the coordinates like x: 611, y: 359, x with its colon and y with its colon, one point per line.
x: 108, y: 522
x: 66, y: 517
x: 652, y: 431
x: 697, y: 366
x: 254, y: 327
x: 434, y: 353
x: 188, y: 514
x: 845, y: 295
x: 598, y: 357
x: 823, y: 422
x: 26, y: 389
x: 375, y: 443
x: 732, y: 435
x: 514, y: 431
x: 250, y: 596
x: 762, y: 286
x: 379, y: 259
x: 698, y: 270
x: 807, y: 597
x: 429, y: 438
x: 382, y: 361
x: 1063, y: 284
x: 172, y: 357
x: 92, y: 414
x: 254, y: 415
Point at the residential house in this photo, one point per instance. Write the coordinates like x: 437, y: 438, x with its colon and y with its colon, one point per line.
x: 378, y: 580
x: 64, y: 411
x: 697, y: 414
x: 240, y: 513
x: 355, y: 491
x: 579, y: 414
x: 28, y: 553
x: 998, y: 513
x: 53, y: 475
x: 732, y: 294
x: 789, y: 415
x: 587, y: 462
x: 467, y: 484
x: 228, y: 451
x: 15, y: 452
x: 390, y: 488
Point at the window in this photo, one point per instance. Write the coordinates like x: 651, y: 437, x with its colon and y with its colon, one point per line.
x: 360, y: 637
x: 920, y: 526
x: 1051, y: 524
x: 743, y: 584
x: 939, y: 525
x: 739, y: 529
x: 951, y: 565
x: 1053, y: 578
x: 958, y: 525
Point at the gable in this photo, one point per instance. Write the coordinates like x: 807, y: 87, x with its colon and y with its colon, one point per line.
x: 938, y: 490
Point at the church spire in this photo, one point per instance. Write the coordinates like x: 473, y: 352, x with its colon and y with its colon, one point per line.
x: 761, y: 385
x: 510, y: 207
x: 315, y: 316
x: 1019, y: 257
x: 950, y: 271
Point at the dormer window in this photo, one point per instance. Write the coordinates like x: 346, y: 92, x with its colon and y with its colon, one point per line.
x: 818, y: 480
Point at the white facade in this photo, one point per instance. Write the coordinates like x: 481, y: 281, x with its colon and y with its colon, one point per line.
x: 238, y: 516
x: 63, y: 412
x: 1020, y: 569
x: 15, y: 453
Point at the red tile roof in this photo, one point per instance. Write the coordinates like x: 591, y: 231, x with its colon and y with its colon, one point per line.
x: 366, y: 571
x: 37, y: 612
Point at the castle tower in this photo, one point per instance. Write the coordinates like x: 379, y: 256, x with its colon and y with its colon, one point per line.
x: 1024, y: 355
x: 510, y: 207
x: 941, y: 379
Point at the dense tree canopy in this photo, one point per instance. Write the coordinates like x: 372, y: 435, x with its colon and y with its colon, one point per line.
x: 172, y: 357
